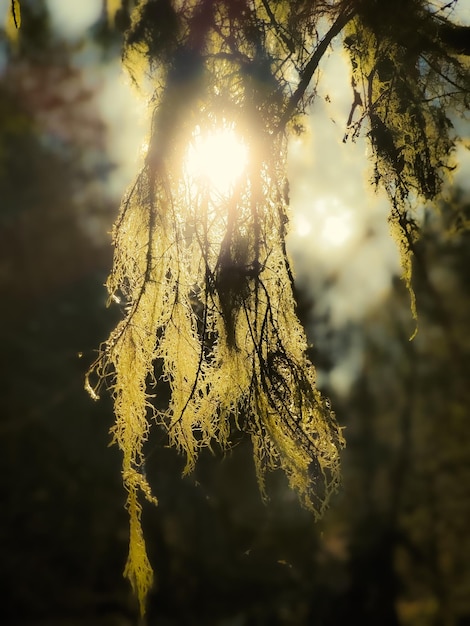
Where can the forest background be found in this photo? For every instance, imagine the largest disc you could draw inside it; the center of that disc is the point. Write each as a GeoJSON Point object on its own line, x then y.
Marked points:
{"type": "Point", "coordinates": [393, 547]}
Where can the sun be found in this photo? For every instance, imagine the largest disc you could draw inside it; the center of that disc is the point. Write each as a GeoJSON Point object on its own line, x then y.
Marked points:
{"type": "Point", "coordinates": [217, 158]}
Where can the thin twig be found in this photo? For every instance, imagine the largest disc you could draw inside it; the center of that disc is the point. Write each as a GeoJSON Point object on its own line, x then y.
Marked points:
{"type": "Point", "coordinates": [311, 67]}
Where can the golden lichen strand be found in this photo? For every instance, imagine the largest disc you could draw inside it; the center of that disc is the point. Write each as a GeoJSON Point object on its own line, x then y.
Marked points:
{"type": "Point", "coordinates": [304, 431]}
{"type": "Point", "coordinates": [292, 426]}
{"type": "Point", "coordinates": [127, 359]}
{"type": "Point", "coordinates": [138, 569]}
{"type": "Point", "coordinates": [133, 358]}
{"type": "Point", "coordinates": [404, 236]}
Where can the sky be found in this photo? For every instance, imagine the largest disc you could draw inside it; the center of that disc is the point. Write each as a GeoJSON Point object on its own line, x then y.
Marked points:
{"type": "Point", "coordinates": [339, 232]}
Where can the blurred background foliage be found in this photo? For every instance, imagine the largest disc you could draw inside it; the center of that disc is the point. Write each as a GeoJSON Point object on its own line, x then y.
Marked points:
{"type": "Point", "coordinates": [393, 549]}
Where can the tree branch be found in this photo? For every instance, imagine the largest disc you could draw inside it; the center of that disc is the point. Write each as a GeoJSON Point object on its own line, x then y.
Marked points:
{"type": "Point", "coordinates": [455, 37]}
{"type": "Point", "coordinates": [287, 40]}
{"type": "Point", "coordinates": [312, 65]}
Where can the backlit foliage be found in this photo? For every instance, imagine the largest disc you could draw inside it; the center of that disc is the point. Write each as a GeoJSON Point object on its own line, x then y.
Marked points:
{"type": "Point", "coordinates": [408, 75]}
{"type": "Point", "coordinates": [203, 273]}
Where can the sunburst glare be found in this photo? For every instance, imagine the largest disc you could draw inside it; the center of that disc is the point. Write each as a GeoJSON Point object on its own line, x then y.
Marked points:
{"type": "Point", "coordinates": [217, 158]}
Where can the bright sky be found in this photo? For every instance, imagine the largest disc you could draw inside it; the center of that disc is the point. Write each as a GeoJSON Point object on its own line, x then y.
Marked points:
{"type": "Point", "coordinates": [72, 19]}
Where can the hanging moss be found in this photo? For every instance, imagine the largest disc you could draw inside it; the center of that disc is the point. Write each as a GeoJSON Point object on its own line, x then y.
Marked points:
{"type": "Point", "coordinates": [407, 80]}
{"type": "Point", "coordinates": [204, 274]}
